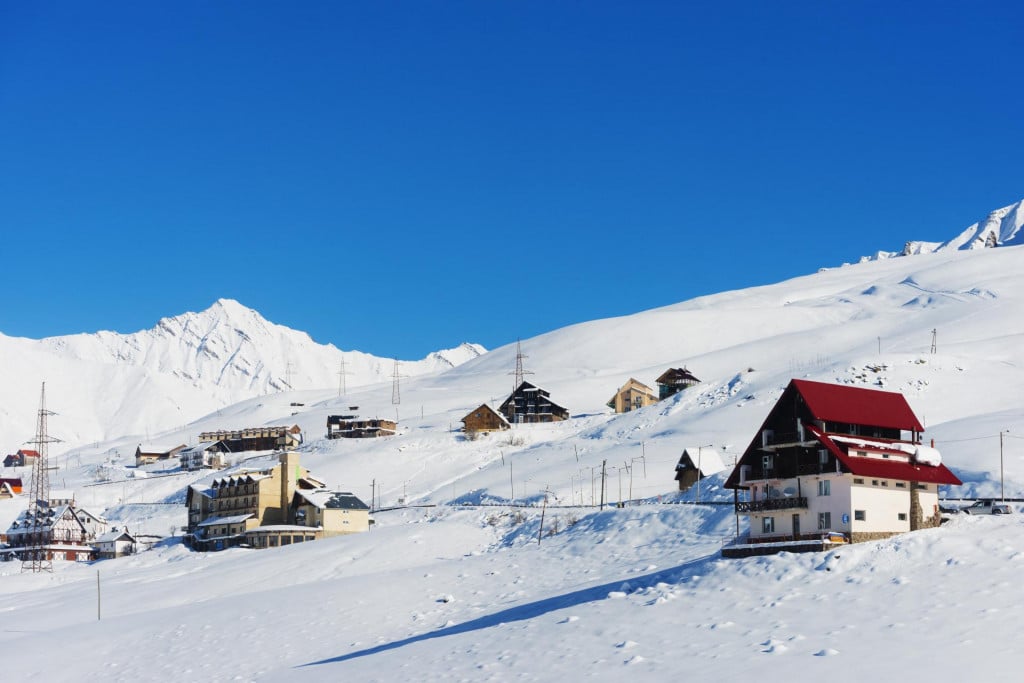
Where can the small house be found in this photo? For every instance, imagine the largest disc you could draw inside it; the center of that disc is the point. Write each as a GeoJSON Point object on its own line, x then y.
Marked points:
{"type": "Point", "coordinates": [206, 454]}
{"type": "Point", "coordinates": [114, 544]}
{"type": "Point", "coordinates": [695, 463]}
{"type": "Point", "coordinates": [350, 427]}
{"type": "Point", "coordinates": [147, 454]}
{"type": "Point", "coordinates": [835, 462]}
{"type": "Point", "coordinates": [632, 395]}
{"type": "Point", "coordinates": [23, 458]}
{"type": "Point", "coordinates": [674, 380]}
{"type": "Point", "coordinates": [279, 438]}
{"type": "Point", "coordinates": [332, 512]}
{"type": "Point", "coordinates": [11, 484]}
{"type": "Point", "coordinates": [529, 403]}
{"type": "Point", "coordinates": [483, 420]}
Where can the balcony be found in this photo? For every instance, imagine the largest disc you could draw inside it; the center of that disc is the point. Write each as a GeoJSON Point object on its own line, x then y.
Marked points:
{"type": "Point", "coordinates": [772, 504]}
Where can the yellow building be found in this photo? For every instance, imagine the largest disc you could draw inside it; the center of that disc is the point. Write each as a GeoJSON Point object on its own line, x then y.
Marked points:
{"type": "Point", "coordinates": [261, 508]}
{"type": "Point", "coordinates": [632, 396]}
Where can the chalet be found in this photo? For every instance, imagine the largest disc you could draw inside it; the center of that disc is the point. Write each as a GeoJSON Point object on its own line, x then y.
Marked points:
{"type": "Point", "coordinates": [205, 454]}
{"type": "Point", "coordinates": [695, 463]}
{"type": "Point", "coordinates": [114, 544]}
{"type": "Point", "coordinates": [23, 458]}
{"type": "Point", "coordinates": [351, 427]}
{"type": "Point", "coordinates": [257, 438]}
{"type": "Point", "coordinates": [484, 420]}
{"type": "Point", "coordinates": [52, 532]}
{"type": "Point", "coordinates": [261, 509]}
{"type": "Point", "coordinates": [530, 403]}
{"type": "Point", "coordinates": [674, 380]}
{"type": "Point", "coordinates": [632, 395]}
{"type": "Point", "coordinates": [835, 463]}
{"type": "Point", "coordinates": [147, 454]}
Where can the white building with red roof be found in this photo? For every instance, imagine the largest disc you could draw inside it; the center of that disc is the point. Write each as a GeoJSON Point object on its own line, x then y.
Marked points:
{"type": "Point", "coordinates": [836, 463]}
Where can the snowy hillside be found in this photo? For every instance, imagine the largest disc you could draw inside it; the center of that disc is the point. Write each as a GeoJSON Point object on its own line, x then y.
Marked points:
{"type": "Point", "coordinates": [1001, 228]}
{"type": "Point", "coordinates": [453, 591]}
{"type": "Point", "coordinates": [109, 384]}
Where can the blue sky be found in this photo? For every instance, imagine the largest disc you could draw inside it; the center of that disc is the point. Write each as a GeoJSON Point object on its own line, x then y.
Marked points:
{"type": "Point", "coordinates": [399, 177]}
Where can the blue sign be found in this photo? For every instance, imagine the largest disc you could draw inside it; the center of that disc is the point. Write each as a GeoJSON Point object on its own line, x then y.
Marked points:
{"type": "Point", "coordinates": [846, 518]}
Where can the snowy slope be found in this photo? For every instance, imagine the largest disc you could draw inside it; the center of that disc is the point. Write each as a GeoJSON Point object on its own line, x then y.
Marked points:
{"type": "Point", "coordinates": [467, 593]}
{"type": "Point", "coordinates": [110, 384]}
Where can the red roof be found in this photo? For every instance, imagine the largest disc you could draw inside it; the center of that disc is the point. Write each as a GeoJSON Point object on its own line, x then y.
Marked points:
{"type": "Point", "coordinates": [887, 469]}
{"type": "Point", "coordinates": [857, 405]}
{"type": "Point", "coordinates": [28, 453]}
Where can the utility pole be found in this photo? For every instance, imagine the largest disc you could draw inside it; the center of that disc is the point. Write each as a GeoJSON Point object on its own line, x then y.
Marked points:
{"type": "Point", "coordinates": [373, 493]}
{"type": "Point", "coordinates": [700, 472]}
{"type": "Point", "coordinates": [396, 392]}
{"type": "Point", "coordinates": [935, 340]}
{"type": "Point", "coordinates": [1002, 492]}
{"type": "Point", "coordinates": [604, 473]}
{"type": "Point", "coordinates": [342, 389]}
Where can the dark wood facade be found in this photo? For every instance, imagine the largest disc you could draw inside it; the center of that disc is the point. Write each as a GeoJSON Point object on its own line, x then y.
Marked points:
{"type": "Point", "coordinates": [257, 438]}
{"type": "Point", "coordinates": [529, 403]}
{"type": "Point", "coordinates": [674, 380]}
{"type": "Point", "coordinates": [349, 427]}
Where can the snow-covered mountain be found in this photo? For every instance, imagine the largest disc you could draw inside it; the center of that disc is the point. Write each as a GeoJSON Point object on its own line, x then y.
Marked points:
{"type": "Point", "coordinates": [110, 384]}
{"type": "Point", "coordinates": [1001, 228]}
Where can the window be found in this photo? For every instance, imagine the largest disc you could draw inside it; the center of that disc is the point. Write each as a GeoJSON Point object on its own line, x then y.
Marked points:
{"type": "Point", "coordinates": [768, 525]}
{"type": "Point", "coordinates": [860, 515]}
{"type": "Point", "coordinates": [824, 487]}
{"type": "Point", "coordinates": [273, 541]}
{"type": "Point", "coordinates": [874, 482]}
{"type": "Point", "coordinates": [858, 481]}
{"type": "Point", "coordinates": [902, 516]}
{"type": "Point", "coordinates": [885, 483]}
{"type": "Point", "coordinates": [823, 456]}
{"type": "Point", "coordinates": [901, 484]}
{"type": "Point", "coordinates": [824, 521]}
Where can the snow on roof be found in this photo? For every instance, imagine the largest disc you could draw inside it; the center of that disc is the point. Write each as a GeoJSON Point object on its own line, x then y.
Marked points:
{"type": "Point", "coordinates": [887, 469]}
{"type": "Point", "coordinates": [234, 519]}
{"type": "Point", "coordinates": [112, 536]}
{"type": "Point", "coordinates": [334, 500]}
{"type": "Point", "coordinates": [707, 459]}
{"type": "Point", "coordinates": [283, 527]}
{"type": "Point", "coordinates": [158, 448]}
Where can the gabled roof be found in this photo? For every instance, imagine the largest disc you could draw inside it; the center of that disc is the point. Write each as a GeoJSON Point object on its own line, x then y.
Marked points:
{"type": "Point", "coordinates": [112, 536]}
{"type": "Point", "coordinates": [489, 409]}
{"type": "Point", "coordinates": [234, 519]}
{"type": "Point", "coordinates": [26, 452]}
{"type": "Point", "coordinates": [332, 500]}
{"type": "Point", "coordinates": [634, 384]}
{"type": "Point", "coordinates": [857, 405]}
{"type": "Point", "coordinates": [707, 459]}
{"type": "Point", "coordinates": [887, 469]}
{"type": "Point", "coordinates": [674, 375]}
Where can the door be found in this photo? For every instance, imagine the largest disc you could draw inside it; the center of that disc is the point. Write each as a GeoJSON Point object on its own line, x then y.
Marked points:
{"type": "Point", "coordinates": [796, 526]}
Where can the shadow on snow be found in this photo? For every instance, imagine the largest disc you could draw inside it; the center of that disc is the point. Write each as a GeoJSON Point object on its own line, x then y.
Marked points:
{"type": "Point", "coordinates": [532, 609]}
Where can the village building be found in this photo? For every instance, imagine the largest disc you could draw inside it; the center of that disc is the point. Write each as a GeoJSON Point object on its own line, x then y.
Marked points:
{"type": "Point", "coordinates": [257, 438]}
{"type": "Point", "coordinates": [529, 403]}
{"type": "Point", "coordinates": [351, 427]}
{"type": "Point", "coordinates": [23, 458]}
{"type": "Point", "coordinates": [10, 487]}
{"type": "Point", "coordinates": [206, 454]}
{"type": "Point", "coordinates": [632, 395]}
{"type": "Point", "coordinates": [696, 463]}
{"type": "Point", "coordinates": [835, 463]}
{"type": "Point", "coordinates": [115, 543]}
{"type": "Point", "coordinates": [336, 512]}
{"type": "Point", "coordinates": [484, 420]}
{"type": "Point", "coordinates": [147, 454]}
{"type": "Point", "coordinates": [674, 380]}
{"type": "Point", "coordinates": [262, 508]}
{"type": "Point", "coordinates": [53, 532]}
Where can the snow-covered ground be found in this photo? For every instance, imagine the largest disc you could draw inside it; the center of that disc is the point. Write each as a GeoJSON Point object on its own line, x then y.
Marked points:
{"type": "Point", "coordinates": [458, 591]}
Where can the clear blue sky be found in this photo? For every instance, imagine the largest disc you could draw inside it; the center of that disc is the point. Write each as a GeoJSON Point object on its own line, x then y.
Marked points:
{"type": "Point", "coordinates": [401, 177]}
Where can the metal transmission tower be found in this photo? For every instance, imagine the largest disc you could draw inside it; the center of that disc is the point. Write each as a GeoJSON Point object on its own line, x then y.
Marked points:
{"type": "Point", "coordinates": [342, 389]}
{"type": "Point", "coordinates": [34, 557]}
{"type": "Point", "coordinates": [396, 393]}
{"type": "Point", "coordinates": [935, 340]}
{"type": "Point", "coordinates": [519, 372]}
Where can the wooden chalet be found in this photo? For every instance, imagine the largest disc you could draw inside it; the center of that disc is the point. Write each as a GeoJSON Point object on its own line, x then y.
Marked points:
{"type": "Point", "coordinates": [483, 420]}
{"type": "Point", "coordinates": [23, 458]}
{"type": "Point", "coordinates": [835, 463]}
{"type": "Point", "coordinates": [696, 463]}
{"type": "Point", "coordinates": [529, 403]}
{"type": "Point", "coordinates": [256, 438]}
{"type": "Point", "coordinates": [632, 395]}
{"type": "Point", "coordinates": [351, 427]}
{"type": "Point", "coordinates": [674, 380]}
